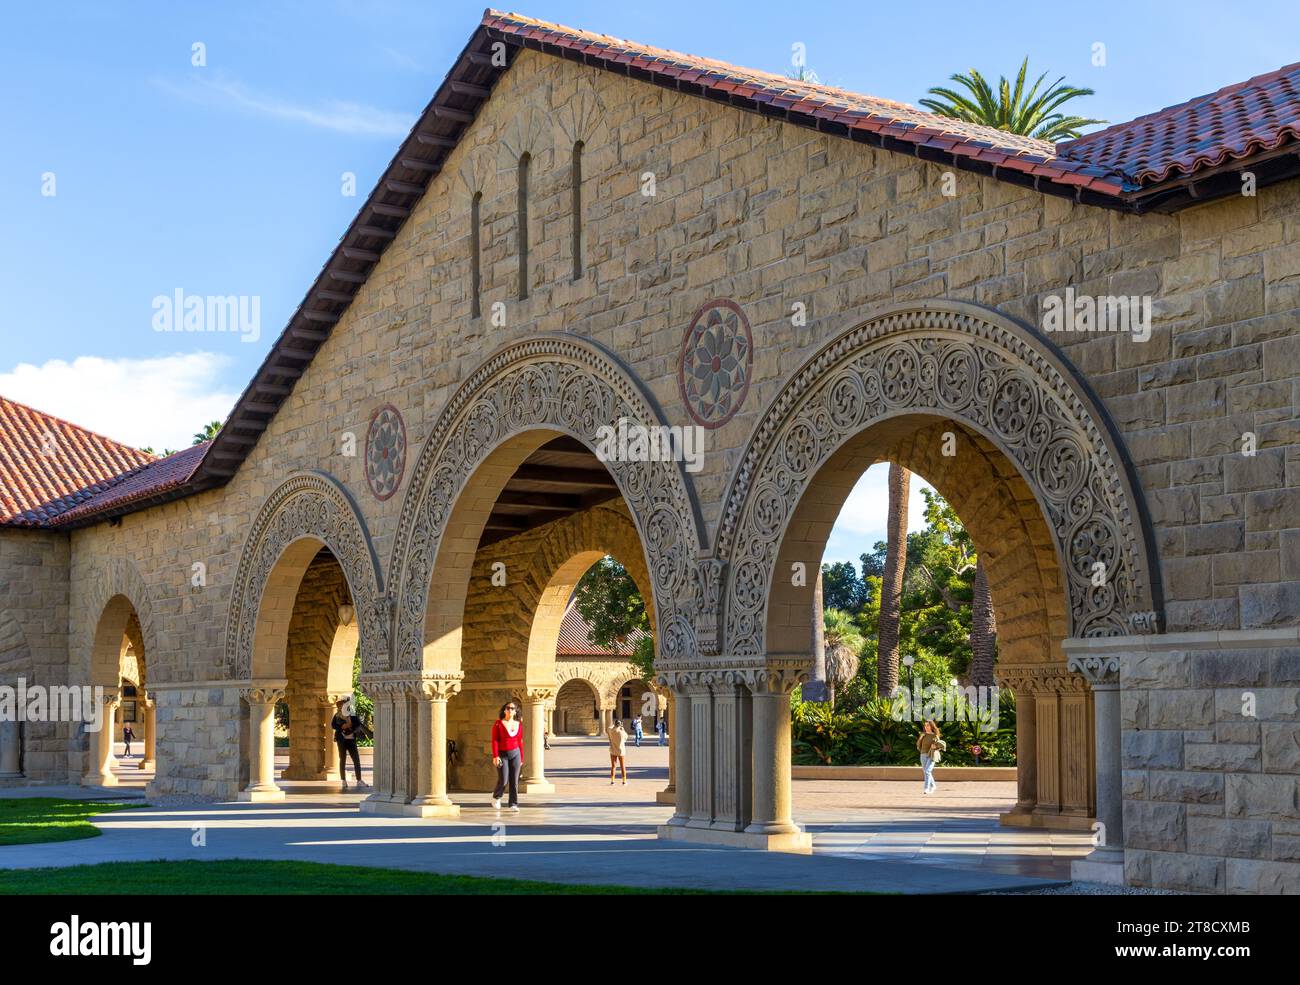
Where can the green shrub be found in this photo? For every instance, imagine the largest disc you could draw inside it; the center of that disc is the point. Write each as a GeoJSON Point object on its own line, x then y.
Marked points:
{"type": "Point", "coordinates": [871, 734]}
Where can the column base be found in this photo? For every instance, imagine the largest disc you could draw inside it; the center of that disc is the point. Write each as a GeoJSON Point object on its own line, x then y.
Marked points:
{"type": "Point", "coordinates": [1104, 865]}
{"type": "Point", "coordinates": [429, 809]}
{"type": "Point", "coordinates": [146, 764]}
{"type": "Point", "coordinates": [797, 842]}
{"type": "Point", "coordinates": [260, 796]}
{"type": "Point", "coordinates": [390, 808]}
{"type": "Point", "coordinates": [536, 786]}
{"type": "Point", "coordinates": [99, 780]}
{"type": "Point", "coordinates": [1048, 822]}
{"type": "Point", "coordinates": [667, 796]}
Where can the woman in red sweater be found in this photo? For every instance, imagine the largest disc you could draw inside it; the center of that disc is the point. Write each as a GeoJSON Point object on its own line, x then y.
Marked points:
{"type": "Point", "coordinates": [507, 753]}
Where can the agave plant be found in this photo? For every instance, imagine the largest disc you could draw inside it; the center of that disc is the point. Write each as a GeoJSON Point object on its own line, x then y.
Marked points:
{"type": "Point", "coordinates": [1030, 113]}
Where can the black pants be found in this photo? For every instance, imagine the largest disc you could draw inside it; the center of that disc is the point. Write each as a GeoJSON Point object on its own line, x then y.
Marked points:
{"type": "Point", "coordinates": [346, 746]}
{"type": "Point", "coordinates": [508, 773]}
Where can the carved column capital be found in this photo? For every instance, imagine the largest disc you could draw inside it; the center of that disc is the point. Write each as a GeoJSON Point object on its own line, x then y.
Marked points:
{"type": "Point", "coordinates": [1100, 670]}
{"type": "Point", "coordinates": [261, 695]}
{"type": "Point", "coordinates": [540, 695]}
{"type": "Point", "coordinates": [438, 688]}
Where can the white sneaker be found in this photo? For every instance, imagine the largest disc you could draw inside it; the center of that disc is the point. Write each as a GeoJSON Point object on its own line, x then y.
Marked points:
{"type": "Point", "coordinates": [514, 808]}
{"type": "Point", "coordinates": [624, 783]}
{"type": "Point", "coordinates": [496, 802]}
{"type": "Point", "coordinates": [359, 785]}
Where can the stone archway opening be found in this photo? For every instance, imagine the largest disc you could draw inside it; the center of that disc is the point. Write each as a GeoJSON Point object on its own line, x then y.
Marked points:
{"type": "Point", "coordinates": [1054, 741]}
{"type": "Point", "coordinates": [306, 642]}
{"type": "Point", "coordinates": [577, 709]}
{"type": "Point", "coordinates": [119, 666]}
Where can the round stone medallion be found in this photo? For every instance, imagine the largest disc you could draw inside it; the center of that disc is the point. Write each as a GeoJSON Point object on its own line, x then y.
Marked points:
{"type": "Point", "coordinates": [716, 363]}
{"type": "Point", "coordinates": [385, 452]}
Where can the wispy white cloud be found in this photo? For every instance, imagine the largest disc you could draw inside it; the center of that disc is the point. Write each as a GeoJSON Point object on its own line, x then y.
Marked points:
{"type": "Point", "coordinates": [354, 119]}
{"type": "Point", "coordinates": [863, 518]}
{"type": "Point", "coordinates": [158, 402]}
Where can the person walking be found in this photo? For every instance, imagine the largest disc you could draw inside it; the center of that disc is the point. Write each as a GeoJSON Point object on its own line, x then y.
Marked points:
{"type": "Point", "coordinates": [347, 729]}
{"type": "Point", "coordinates": [507, 753]}
{"type": "Point", "coordinates": [929, 745]}
{"type": "Point", "coordinates": [617, 750]}
{"type": "Point", "coordinates": [127, 736]}
{"type": "Point", "coordinates": [661, 726]}
{"type": "Point", "coordinates": [637, 730]}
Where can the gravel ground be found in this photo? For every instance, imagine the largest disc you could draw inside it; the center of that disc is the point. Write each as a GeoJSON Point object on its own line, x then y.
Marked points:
{"type": "Point", "coordinates": [1089, 889]}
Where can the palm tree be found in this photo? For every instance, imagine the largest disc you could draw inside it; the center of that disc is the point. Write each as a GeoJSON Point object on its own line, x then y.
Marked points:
{"type": "Point", "coordinates": [983, 629]}
{"type": "Point", "coordinates": [208, 433]}
{"type": "Point", "coordinates": [843, 644]}
{"type": "Point", "coordinates": [891, 584]}
{"type": "Point", "coordinates": [1031, 114]}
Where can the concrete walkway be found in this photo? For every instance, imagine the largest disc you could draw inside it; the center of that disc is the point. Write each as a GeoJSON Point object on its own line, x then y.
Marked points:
{"type": "Point", "coordinates": [592, 832]}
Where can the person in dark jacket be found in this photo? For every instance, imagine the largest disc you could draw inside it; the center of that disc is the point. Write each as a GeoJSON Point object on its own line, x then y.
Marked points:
{"type": "Point", "coordinates": [347, 727]}
{"type": "Point", "coordinates": [128, 735]}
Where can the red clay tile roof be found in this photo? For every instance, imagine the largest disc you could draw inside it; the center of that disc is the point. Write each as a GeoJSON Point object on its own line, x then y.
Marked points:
{"type": "Point", "coordinates": [49, 466]}
{"type": "Point", "coordinates": [1236, 122]}
{"type": "Point", "coordinates": [850, 110]}
{"type": "Point", "coordinates": [156, 478]}
{"type": "Point", "coordinates": [575, 639]}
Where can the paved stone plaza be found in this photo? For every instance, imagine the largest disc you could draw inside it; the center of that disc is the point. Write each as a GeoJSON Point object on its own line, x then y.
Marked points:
{"type": "Point", "coordinates": [590, 831]}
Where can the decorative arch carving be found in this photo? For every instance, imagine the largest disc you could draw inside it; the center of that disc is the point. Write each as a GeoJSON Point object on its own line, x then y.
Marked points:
{"type": "Point", "coordinates": [309, 504]}
{"type": "Point", "coordinates": [107, 580]}
{"type": "Point", "coordinates": [569, 385]}
{"type": "Point", "coordinates": [1003, 380]}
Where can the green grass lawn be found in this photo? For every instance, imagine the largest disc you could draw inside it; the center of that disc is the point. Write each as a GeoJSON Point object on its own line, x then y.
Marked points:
{"type": "Point", "coordinates": [275, 878]}
{"type": "Point", "coordinates": [28, 820]}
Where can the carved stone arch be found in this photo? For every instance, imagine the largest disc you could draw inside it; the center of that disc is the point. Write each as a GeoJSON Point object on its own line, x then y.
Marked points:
{"type": "Point", "coordinates": [579, 672]}
{"type": "Point", "coordinates": [996, 377]}
{"type": "Point", "coordinates": [477, 171]}
{"type": "Point", "coordinates": [307, 506]}
{"type": "Point", "coordinates": [547, 384]}
{"type": "Point", "coordinates": [111, 579]}
{"type": "Point", "coordinates": [527, 132]}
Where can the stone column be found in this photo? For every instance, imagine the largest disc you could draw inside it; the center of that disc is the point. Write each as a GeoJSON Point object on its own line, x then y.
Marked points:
{"type": "Point", "coordinates": [1106, 862]}
{"type": "Point", "coordinates": [1026, 753]}
{"type": "Point", "coordinates": [680, 752]}
{"type": "Point", "coordinates": [772, 825]}
{"type": "Point", "coordinates": [261, 748]}
{"type": "Point", "coordinates": [10, 750]}
{"type": "Point", "coordinates": [669, 794]}
{"type": "Point", "coordinates": [327, 750]}
{"type": "Point", "coordinates": [534, 773]}
{"type": "Point", "coordinates": [732, 742]}
{"type": "Point", "coordinates": [149, 759]}
{"type": "Point", "coordinates": [99, 770]}
{"type": "Point", "coordinates": [431, 696]}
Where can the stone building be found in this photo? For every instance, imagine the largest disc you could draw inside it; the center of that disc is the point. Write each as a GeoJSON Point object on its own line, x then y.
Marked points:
{"type": "Point", "coordinates": [582, 235]}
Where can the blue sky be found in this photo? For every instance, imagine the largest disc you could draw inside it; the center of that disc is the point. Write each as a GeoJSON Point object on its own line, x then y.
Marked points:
{"type": "Point", "coordinates": [225, 179]}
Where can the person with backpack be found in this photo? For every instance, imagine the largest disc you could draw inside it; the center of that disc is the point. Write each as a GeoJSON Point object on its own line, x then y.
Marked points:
{"type": "Point", "coordinates": [127, 736]}
{"type": "Point", "coordinates": [661, 726]}
{"type": "Point", "coordinates": [930, 746]}
{"type": "Point", "coordinates": [637, 729]}
{"type": "Point", "coordinates": [347, 729]}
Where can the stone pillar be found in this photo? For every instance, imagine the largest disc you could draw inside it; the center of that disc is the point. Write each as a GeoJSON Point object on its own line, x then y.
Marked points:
{"type": "Point", "coordinates": [431, 696]}
{"type": "Point", "coordinates": [261, 748]}
{"type": "Point", "coordinates": [772, 821]}
{"type": "Point", "coordinates": [669, 794]}
{"type": "Point", "coordinates": [327, 750]}
{"type": "Point", "coordinates": [99, 770]}
{"type": "Point", "coordinates": [1106, 862]}
{"type": "Point", "coordinates": [679, 750]}
{"type": "Point", "coordinates": [149, 759]}
{"type": "Point", "coordinates": [733, 756]}
{"type": "Point", "coordinates": [1026, 753]}
{"type": "Point", "coordinates": [534, 773]}
{"type": "Point", "coordinates": [10, 750]}
{"type": "Point", "coordinates": [381, 693]}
